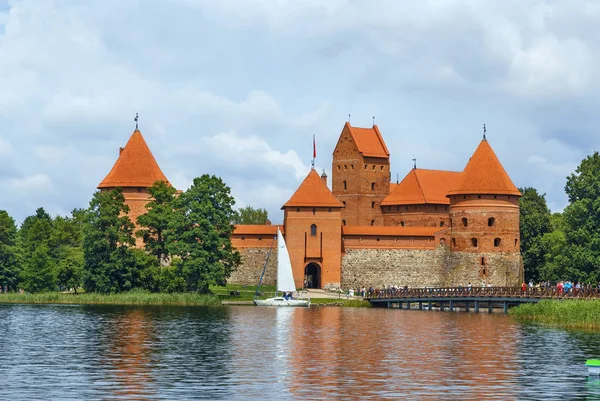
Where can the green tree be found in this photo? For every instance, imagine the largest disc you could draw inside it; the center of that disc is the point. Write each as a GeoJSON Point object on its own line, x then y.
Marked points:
{"type": "Point", "coordinates": [554, 244]}
{"type": "Point", "coordinates": [250, 215]}
{"type": "Point", "coordinates": [69, 270]}
{"type": "Point", "coordinates": [200, 233]}
{"type": "Point", "coordinates": [35, 231]}
{"type": "Point", "coordinates": [582, 222]}
{"type": "Point", "coordinates": [9, 263]}
{"type": "Point", "coordinates": [155, 221]}
{"type": "Point", "coordinates": [38, 271]}
{"type": "Point", "coordinates": [534, 224]}
{"type": "Point", "coordinates": [109, 265]}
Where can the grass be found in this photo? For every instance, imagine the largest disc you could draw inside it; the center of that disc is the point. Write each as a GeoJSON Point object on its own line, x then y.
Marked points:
{"type": "Point", "coordinates": [353, 303]}
{"type": "Point", "coordinates": [246, 292]}
{"type": "Point", "coordinates": [135, 297]}
{"type": "Point", "coordinates": [575, 314]}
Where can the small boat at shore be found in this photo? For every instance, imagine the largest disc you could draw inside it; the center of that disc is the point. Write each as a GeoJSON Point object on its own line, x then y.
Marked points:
{"type": "Point", "coordinates": [593, 366]}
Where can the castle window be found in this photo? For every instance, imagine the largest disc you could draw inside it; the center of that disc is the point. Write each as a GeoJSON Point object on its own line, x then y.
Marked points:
{"type": "Point", "coordinates": [344, 202]}
{"type": "Point", "coordinates": [260, 238]}
{"type": "Point", "coordinates": [297, 209]}
{"type": "Point", "coordinates": [339, 167]}
{"type": "Point", "coordinates": [313, 230]}
{"type": "Point", "coordinates": [491, 222]}
{"type": "Point", "coordinates": [243, 238]}
{"type": "Point", "coordinates": [474, 242]}
{"type": "Point", "coordinates": [365, 166]}
{"type": "Point", "coordinates": [454, 242]}
{"type": "Point", "coordinates": [372, 205]}
{"type": "Point", "coordinates": [329, 210]}
{"type": "Point", "coordinates": [372, 222]}
{"type": "Point", "coordinates": [381, 167]}
{"type": "Point", "coordinates": [495, 196]}
{"type": "Point", "coordinates": [464, 197]}
{"type": "Point", "coordinates": [345, 185]}
{"type": "Point", "coordinates": [352, 166]}
{"type": "Point", "coordinates": [314, 211]}
{"type": "Point", "coordinates": [483, 263]}
{"type": "Point", "coordinates": [465, 222]}
{"type": "Point", "coordinates": [344, 222]}
{"type": "Point", "coordinates": [372, 186]}
{"type": "Point", "coordinates": [441, 224]}
{"type": "Point", "coordinates": [373, 167]}
{"type": "Point", "coordinates": [516, 242]}
{"type": "Point", "coordinates": [496, 242]}
{"type": "Point", "coordinates": [402, 223]}
{"type": "Point", "coordinates": [478, 196]}
{"type": "Point", "coordinates": [377, 238]}
{"type": "Point", "coordinates": [450, 222]}
{"type": "Point", "coordinates": [345, 167]}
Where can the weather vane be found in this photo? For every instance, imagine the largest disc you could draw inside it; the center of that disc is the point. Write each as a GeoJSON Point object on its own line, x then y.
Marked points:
{"type": "Point", "coordinates": [415, 162]}
{"type": "Point", "coordinates": [484, 131]}
{"type": "Point", "coordinates": [136, 121]}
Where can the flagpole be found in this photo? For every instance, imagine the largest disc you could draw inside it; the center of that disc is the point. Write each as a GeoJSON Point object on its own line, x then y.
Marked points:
{"type": "Point", "coordinates": [314, 153]}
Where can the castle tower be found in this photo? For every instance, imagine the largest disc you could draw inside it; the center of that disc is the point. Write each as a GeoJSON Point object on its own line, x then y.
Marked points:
{"type": "Point", "coordinates": [484, 217]}
{"type": "Point", "coordinates": [361, 174]}
{"type": "Point", "coordinates": [134, 171]}
{"type": "Point", "coordinates": [312, 221]}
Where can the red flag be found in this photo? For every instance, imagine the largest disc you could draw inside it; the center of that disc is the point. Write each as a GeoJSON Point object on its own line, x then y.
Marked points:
{"type": "Point", "coordinates": [314, 148]}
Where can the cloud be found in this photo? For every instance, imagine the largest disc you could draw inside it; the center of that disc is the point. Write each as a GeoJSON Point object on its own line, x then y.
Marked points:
{"type": "Point", "coordinates": [238, 89]}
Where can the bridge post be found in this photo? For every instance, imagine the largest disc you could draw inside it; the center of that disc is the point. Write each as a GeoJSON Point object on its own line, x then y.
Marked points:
{"type": "Point", "coordinates": [428, 305]}
{"type": "Point", "coordinates": [441, 306]}
{"type": "Point", "coordinates": [505, 307]}
{"type": "Point", "coordinates": [476, 306]}
{"type": "Point", "coordinates": [389, 304]}
{"type": "Point", "coordinates": [420, 305]}
{"type": "Point", "coordinates": [466, 306]}
{"type": "Point", "coordinates": [408, 305]}
{"type": "Point", "coordinates": [400, 304]}
{"type": "Point", "coordinates": [490, 306]}
{"type": "Point", "coordinates": [451, 305]}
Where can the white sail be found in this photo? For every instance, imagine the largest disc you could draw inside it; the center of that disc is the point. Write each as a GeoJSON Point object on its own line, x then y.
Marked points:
{"type": "Point", "coordinates": [285, 277]}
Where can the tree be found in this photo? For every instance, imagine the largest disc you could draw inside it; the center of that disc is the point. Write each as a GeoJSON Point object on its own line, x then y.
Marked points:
{"type": "Point", "coordinates": [156, 220]}
{"type": "Point", "coordinates": [9, 264]}
{"type": "Point", "coordinates": [200, 233]}
{"type": "Point", "coordinates": [534, 224]}
{"type": "Point", "coordinates": [554, 244]}
{"type": "Point", "coordinates": [582, 222]}
{"type": "Point", "coordinates": [250, 215]}
{"type": "Point", "coordinates": [38, 271]}
{"type": "Point", "coordinates": [35, 231]}
{"type": "Point", "coordinates": [109, 265]}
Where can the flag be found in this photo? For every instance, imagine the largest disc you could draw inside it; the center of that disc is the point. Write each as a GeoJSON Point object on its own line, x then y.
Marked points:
{"type": "Point", "coordinates": [314, 148]}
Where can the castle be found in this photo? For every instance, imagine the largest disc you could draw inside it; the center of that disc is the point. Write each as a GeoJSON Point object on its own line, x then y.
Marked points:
{"type": "Point", "coordinates": [435, 228]}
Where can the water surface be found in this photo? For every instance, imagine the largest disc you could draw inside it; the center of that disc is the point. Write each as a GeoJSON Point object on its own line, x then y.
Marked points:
{"type": "Point", "coordinates": [116, 352]}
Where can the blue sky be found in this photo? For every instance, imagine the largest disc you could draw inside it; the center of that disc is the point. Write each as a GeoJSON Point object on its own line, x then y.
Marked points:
{"type": "Point", "coordinates": [237, 88]}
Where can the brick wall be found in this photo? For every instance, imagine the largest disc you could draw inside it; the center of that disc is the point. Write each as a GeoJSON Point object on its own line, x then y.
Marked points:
{"type": "Point", "coordinates": [416, 215]}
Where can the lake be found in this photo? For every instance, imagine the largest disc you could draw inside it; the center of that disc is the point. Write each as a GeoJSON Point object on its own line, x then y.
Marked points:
{"type": "Point", "coordinates": [244, 352]}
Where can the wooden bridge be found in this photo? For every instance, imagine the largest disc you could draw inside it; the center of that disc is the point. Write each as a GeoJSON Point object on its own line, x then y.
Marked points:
{"type": "Point", "coordinates": [477, 298]}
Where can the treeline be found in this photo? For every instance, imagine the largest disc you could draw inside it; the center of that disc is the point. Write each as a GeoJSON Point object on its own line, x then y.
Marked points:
{"type": "Point", "coordinates": [564, 246]}
{"type": "Point", "coordinates": [186, 237]}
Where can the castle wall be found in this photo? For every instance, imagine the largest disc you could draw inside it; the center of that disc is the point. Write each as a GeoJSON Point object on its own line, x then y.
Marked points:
{"type": "Point", "coordinates": [253, 262]}
{"type": "Point", "coordinates": [416, 215]}
{"type": "Point", "coordinates": [499, 269]}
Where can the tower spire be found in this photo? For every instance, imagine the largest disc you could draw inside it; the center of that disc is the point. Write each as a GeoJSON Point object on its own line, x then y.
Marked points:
{"type": "Point", "coordinates": [373, 121]}
{"type": "Point", "coordinates": [136, 121]}
{"type": "Point", "coordinates": [415, 162]}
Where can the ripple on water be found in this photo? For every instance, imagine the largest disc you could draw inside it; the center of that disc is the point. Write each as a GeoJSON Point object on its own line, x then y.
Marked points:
{"type": "Point", "coordinates": [115, 352]}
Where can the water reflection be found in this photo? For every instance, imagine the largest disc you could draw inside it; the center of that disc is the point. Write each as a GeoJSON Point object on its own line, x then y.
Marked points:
{"type": "Point", "coordinates": [75, 352]}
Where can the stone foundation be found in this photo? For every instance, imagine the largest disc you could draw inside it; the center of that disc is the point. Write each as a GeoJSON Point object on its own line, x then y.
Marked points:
{"type": "Point", "coordinates": [253, 262]}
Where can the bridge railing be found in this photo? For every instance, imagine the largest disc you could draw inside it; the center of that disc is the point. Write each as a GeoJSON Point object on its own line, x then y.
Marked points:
{"type": "Point", "coordinates": [499, 292]}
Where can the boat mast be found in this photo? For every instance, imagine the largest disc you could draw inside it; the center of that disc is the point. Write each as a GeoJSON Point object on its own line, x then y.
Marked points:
{"type": "Point", "coordinates": [265, 267]}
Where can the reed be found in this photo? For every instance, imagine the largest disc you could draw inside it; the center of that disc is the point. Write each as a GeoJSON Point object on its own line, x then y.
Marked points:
{"type": "Point", "coordinates": [134, 297]}
{"type": "Point", "coordinates": [577, 314]}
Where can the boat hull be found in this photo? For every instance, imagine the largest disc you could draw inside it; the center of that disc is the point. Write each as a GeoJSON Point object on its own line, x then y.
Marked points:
{"type": "Point", "coordinates": [593, 370]}
{"type": "Point", "coordinates": [279, 301]}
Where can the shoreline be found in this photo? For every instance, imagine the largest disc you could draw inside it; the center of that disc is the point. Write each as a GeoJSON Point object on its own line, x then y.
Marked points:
{"type": "Point", "coordinates": [156, 299]}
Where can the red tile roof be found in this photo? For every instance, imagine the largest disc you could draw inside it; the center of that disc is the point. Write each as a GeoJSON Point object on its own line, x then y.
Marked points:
{"type": "Point", "coordinates": [421, 186]}
{"type": "Point", "coordinates": [485, 175]}
{"type": "Point", "coordinates": [391, 231]}
{"type": "Point", "coordinates": [313, 192]}
{"type": "Point", "coordinates": [393, 186]}
{"type": "Point", "coordinates": [135, 167]}
{"type": "Point", "coordinates": [368, 141]}
{"type": "Point", "coordinates": [264, 229]}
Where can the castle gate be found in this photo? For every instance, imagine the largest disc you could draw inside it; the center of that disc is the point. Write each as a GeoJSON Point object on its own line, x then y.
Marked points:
{"type": "Point", "coordinates": [312, 275]}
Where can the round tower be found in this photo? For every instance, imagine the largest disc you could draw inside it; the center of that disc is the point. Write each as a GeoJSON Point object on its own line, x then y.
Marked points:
{"type": "Point", "coordinates": [484, 218]}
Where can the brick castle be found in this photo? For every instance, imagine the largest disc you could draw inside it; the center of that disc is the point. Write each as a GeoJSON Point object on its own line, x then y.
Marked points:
{"type": "Point", "coordinates": [434, 228]}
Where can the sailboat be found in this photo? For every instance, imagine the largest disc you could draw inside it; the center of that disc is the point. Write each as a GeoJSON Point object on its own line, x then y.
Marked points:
{"type": "Point", "coordinates": [285, 279]}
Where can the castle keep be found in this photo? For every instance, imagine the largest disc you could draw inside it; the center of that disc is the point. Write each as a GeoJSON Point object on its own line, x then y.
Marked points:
{"type": "Point", "coordinates": [434, 228]}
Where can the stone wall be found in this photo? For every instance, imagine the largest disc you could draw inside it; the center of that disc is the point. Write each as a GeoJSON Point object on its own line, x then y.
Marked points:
{"type": "Point", "coordinates": [399, 267]}
{"type": "Point", "coordinates": [428, 268]}
{"type": "Point", "coordinates": [253, 262]}
{"type": "Point", "coordinates": [497, 269]}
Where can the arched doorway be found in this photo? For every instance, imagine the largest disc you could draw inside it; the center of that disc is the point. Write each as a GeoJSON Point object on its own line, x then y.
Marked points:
{"type": "Point", "coordinates": [312, 276]}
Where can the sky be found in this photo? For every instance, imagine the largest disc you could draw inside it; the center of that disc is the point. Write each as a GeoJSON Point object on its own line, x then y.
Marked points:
{"type": "Point", "coordinates": [237, 88]}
